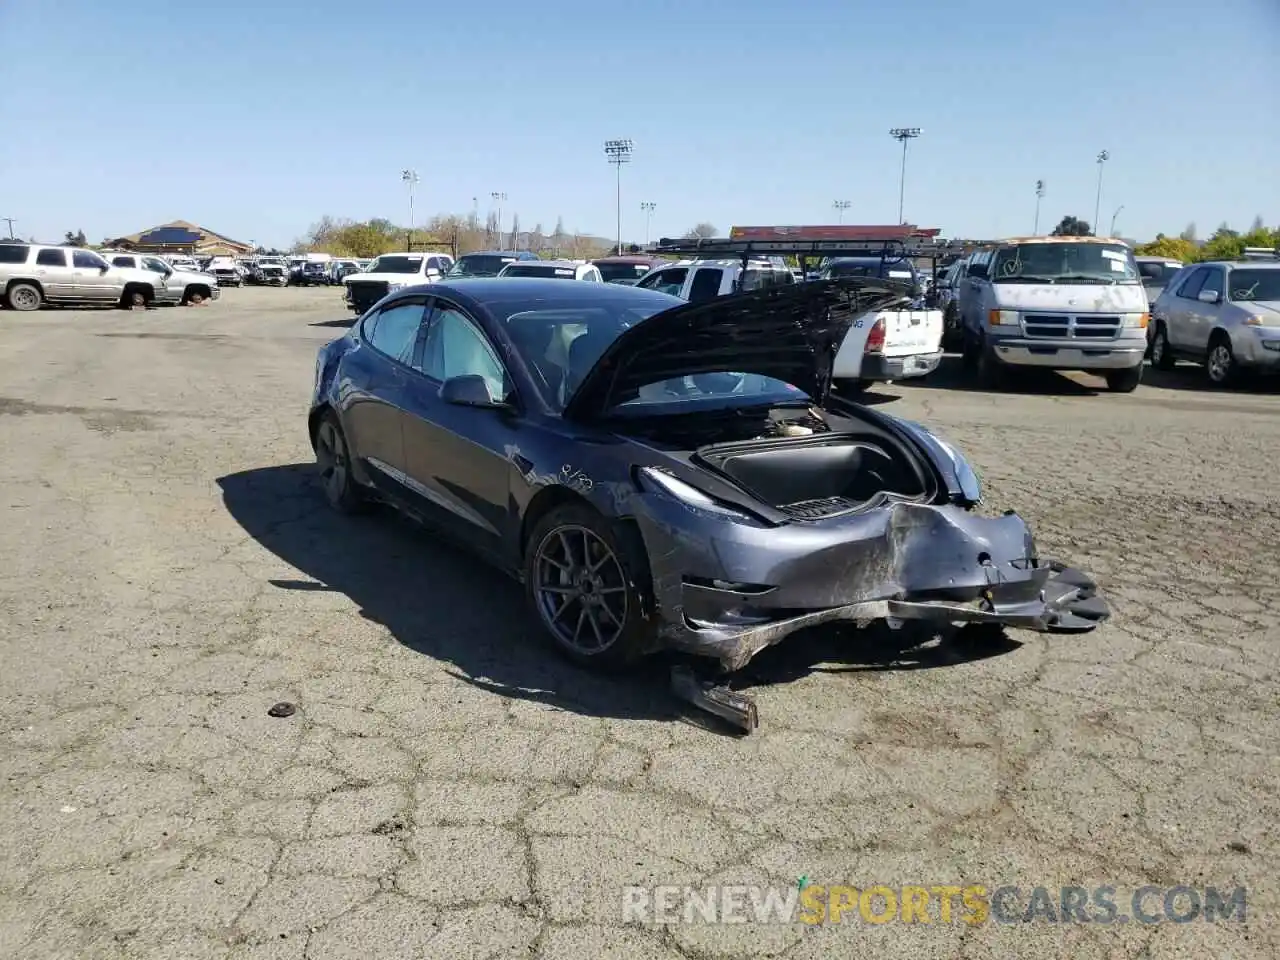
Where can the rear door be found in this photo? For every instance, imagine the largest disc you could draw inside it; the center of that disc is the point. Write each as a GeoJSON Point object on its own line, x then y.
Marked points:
{"type": "Point", "coordinates": [1180, 309]}
{"type": "Point", "coordinates": [94, 279]}
{"type": "Point", "coordinates": [373, 388]}
{"type": "Point", "coordinates": [669, 280]}
{"type": "Point", "coordinates": [54, 272]}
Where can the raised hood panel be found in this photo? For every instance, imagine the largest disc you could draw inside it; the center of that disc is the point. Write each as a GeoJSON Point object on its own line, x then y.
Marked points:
{"type": "Point", "coordinates": [790, 333]}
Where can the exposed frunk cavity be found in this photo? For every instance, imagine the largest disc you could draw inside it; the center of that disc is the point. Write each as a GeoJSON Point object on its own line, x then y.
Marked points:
{"type": "Point", "coordinates": [817, 477]}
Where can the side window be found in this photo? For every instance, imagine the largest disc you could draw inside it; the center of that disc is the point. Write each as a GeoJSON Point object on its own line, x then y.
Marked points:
{"type": "Point", "coordinates": [51, 258]}
{"type": "Point", "coordinates": [433, 263]}
{"type": "Point", "coordinates": [668, 281]}
{"type": "Point", "coordinates": [456, 347]}
{"type": "Point", "coordinates": [13, 253]}
{"type": "Point", "coordinates": [86, 260]}
{"type": "Point", "coordinates": [1212, 280]}
{"type": "Point", "coordinates": [155, 263]}
{"type": "Point", "coordinates": [706, 284]}
{"type": "Point", "coordinates": [393, 330]}
{"type": "Point", "coordinates": [1191, 286]}
{"type": "Point", "coordinates": [122, 261]}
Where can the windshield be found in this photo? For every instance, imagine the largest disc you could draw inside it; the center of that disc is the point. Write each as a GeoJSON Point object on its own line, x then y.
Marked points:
{"type": "Point", "coordinates": [561, 342]}
{"type": "Point", "coordinates": [1254, 284]}
{"type": "Point", "coordinates": [480, 265]}
{"type": "Point", "coordinates": [1157, 274]}
{"type": "Point", "coordinates": [869, 267]}
{"type": "Point", "coordinates": [396, 264]}
{"type": "Point", "coordinates": [622, 272]}
{"type": "Point", "coordinates": [1064, 263]}
{"type": "Point", "coordinates": [539, 270]}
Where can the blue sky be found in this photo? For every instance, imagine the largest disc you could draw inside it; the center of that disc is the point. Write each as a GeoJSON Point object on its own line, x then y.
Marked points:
{"type": "Point", "coordinates": [254, 119]}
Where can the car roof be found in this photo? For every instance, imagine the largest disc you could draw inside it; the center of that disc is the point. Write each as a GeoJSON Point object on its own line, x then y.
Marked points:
{"type": "Point", "coordinates": [1111, 240]}
{"type": "Point", "coordinates": [518, 254]}
{"type": "Point", "coordinates": [1150, 259]}
{"type": "Point", "coordinates": [634, 259]}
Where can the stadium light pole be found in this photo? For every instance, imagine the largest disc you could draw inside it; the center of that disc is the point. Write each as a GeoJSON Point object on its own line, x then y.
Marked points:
{"type": "Point", "coordinates": [10, 221]}
{"type": "Point", "coordinates": [618, 152]}
{"type": "Point", "coordinates": [1035, 230]}
{"type": "Point", "coordinates": [840, 206]}
{"type": "Point", "coordinates": [648, 206]}
{"type": "Point", "coordinates": [1112, 231]}
{"type": "Point", "coordinates": [903, 134]}
{"type": "Point", "coordinates": [497, 197]}
{"type": "Point", "coordinates": [1103, 157]}
{"type": "Point", "coordinates": [410, 177]}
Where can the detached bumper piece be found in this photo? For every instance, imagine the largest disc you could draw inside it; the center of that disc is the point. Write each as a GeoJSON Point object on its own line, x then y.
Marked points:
{"type": "Point", "coordinates": [1051, 598]}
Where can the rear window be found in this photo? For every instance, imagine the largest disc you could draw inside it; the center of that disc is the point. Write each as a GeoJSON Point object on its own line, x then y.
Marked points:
{"type": "Point", "coordinates": [537, 270]}
{"type": "Point", "coordinates": [13, 253]}
{"type": "Point", "coordinates": [622, 272]}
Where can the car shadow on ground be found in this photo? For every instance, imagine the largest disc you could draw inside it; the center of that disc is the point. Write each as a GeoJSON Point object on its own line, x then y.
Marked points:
{"type": "Point", "coordinates": [952, 375]}
{"type": "Point", "coordinates": [1192, 378]}
{"type": "Point", "coordinates": [437, 599]}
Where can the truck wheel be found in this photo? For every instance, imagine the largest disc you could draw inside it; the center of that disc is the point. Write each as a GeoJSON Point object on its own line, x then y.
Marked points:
{"type": "Point", "coordinates": [134, 297]}
{"type": "Point", "coordinates": [25, 297]}
{"type": "Point", "coordinates": [1124, 381]}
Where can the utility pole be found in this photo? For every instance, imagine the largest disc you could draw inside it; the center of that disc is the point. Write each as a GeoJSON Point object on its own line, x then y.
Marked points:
{"type": "Point", "coordinates": [10, 221]}
{"type": "Point", "coordinates": [840, 207]}
{"type": "Point", "coordinates": [618, 152]}
{"type": "Point", "coordinates": [410, 177]}
{"type": "Point", "coordinates": [1103, 157]}
{"type": "Point", "coordinates": [1112, 231]}
{"type": "Point", "coordinates": [1035, 230]}
{"type": "Point", "coordinates": [498, 196]}
{"type": "Point", "coordinates": [648, 206]}
{"type": "Point", "coordinates": [903, 134]}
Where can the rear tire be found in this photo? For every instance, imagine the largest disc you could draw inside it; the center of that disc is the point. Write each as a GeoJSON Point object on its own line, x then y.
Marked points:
{"type": "Point", "coordinates": [134, 297]}
{"type": "Point", "coordinates": [587, 586]}
{"type": "Point", "coordinates": [1124, 381]}
{"type": "Point", "coordinates": [1162, 357]}
{"type": "Point", "coordinates": [25, 297]}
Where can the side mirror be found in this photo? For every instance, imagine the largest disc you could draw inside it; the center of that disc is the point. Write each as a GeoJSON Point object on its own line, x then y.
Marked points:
{"type": "Point", "coordinates": [104, 268]}
{"type": "Point", "coordinates": [469, 390]}
{"type": "Point", "coordinates": [432, 272]}
{"type": "Point", "coordinates": [1209, 296]}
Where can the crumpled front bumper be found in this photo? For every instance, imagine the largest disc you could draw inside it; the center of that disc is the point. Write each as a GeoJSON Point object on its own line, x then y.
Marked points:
{"type": "Point", "coordinates": [727, 590]}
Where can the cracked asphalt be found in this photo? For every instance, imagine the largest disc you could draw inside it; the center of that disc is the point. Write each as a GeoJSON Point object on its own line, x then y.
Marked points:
{"type": "Point", "coordinates": [446, 789]}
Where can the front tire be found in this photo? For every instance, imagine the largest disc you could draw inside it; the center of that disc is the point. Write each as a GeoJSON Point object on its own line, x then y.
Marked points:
{"type": "Point", "coordinates": [134, 297]}
{"type": "Point", "coordinates": [1220, 365]}
{"type": "Point", "coordinates": [333, 459]}
{"type": "Point", "coordinates": [25, 297]}
{"type": "Point", "coordinates": [1124, 381]}
{"type": "Point", "coordinates": [584, 586]}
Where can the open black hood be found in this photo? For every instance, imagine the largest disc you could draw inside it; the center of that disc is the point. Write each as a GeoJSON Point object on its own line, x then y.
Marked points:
{"type": "Point", "coordinates": [790, 333]}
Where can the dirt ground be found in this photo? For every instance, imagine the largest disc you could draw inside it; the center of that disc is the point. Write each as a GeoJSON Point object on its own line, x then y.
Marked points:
{"type": "Point", "coordinates": [446, 789]}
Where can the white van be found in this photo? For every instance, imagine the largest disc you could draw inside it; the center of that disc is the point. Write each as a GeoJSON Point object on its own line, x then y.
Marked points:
{"type": "Point", "coordinates": [1057, 303]}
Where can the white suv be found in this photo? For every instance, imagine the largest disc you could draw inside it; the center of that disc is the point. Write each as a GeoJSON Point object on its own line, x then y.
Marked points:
{"type": "Point", "coordinates": [180, 286]}
{"type": "Point", "coordinates": [33, 274]}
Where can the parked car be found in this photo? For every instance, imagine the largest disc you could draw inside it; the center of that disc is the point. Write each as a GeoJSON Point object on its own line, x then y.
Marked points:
{"type": "Point", "coordinates": [949, 303]}
{"type": "Point", "coordinates": [678, 477]}
{"type": "Point", "coordinates": [269, 272]}
{"type": "Point", "coordinates": [313, 273]}
{"type": "Point", "coordinates": [1224, 314]}
{"type": "Point", "coordinates": [553, 270]}
{"type": "Point", "coordinates": [487, 263]}
{"type": "Point", "coordinates": [179, 287]}
{"type": "Point", "coordinates": [391, 272]}
{"type": "Point", "coordinates": [226, 271]}
{"type": "Point", "coordinates": [701, 280]}
{"type": "Point", "coordinates": [35, 274]}
{"type": "Point", "coordinates": [1156, 273]}
{"type": "Point", "coordinates": [340, 269]}
{"type": "Point", "coordinates": [1055, 303]}
{"type": "Point", "coordinates": [626, 269]}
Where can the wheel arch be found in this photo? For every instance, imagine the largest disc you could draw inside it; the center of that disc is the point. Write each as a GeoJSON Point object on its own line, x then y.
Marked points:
{"type": "Point", "coordinates": [29, 281]}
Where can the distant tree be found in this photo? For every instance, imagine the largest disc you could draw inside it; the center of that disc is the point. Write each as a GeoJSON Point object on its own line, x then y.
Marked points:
{"type": "Point", "coordinates": [1257, 224]}
{"type": "Point", "coordinates": [515, 231]}
{"type": "Point", "coordinates": [1072, 227]}
{"type": "Point", "coordinates": [76, 239]}
{"type": "Point", "coordinates": [1189, 234]}
{"type": "Point", "coordinates": [1176, 248]}
{"type": "Point", "coordinates": [536, 239]}
{"type": "Point", "coordinates": [702, 231]}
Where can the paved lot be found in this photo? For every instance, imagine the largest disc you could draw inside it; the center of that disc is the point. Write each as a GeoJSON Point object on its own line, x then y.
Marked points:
{"type": "Point", "coordinates": [446, 790]}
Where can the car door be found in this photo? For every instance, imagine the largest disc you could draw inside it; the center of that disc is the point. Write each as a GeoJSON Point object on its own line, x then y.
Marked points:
{"type": "Point", "coordinates": [55, 275]}
{"type": "Point", "coordinates": [456, 455]}
{"type": "Point", "coordinates": [1180, 316]}
{"type": "Point", "coordinates": [1206, 315]}
{"type": "Point", "coordinates": [670, 280]}
{"type": "Point", "coordinates": [373, 390]}
{"type": "Point", "coordinates": [93, 279]}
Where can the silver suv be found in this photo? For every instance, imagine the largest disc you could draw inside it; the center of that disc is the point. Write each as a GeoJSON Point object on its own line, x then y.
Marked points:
{"type": "Point", "coordinates": [180, 286]}
{"type": "Point", "coordinates": [33, 274]}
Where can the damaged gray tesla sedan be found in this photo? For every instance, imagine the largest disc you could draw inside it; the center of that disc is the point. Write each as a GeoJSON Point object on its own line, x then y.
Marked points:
{"type": "Point", "coordinates": [667, 475]}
